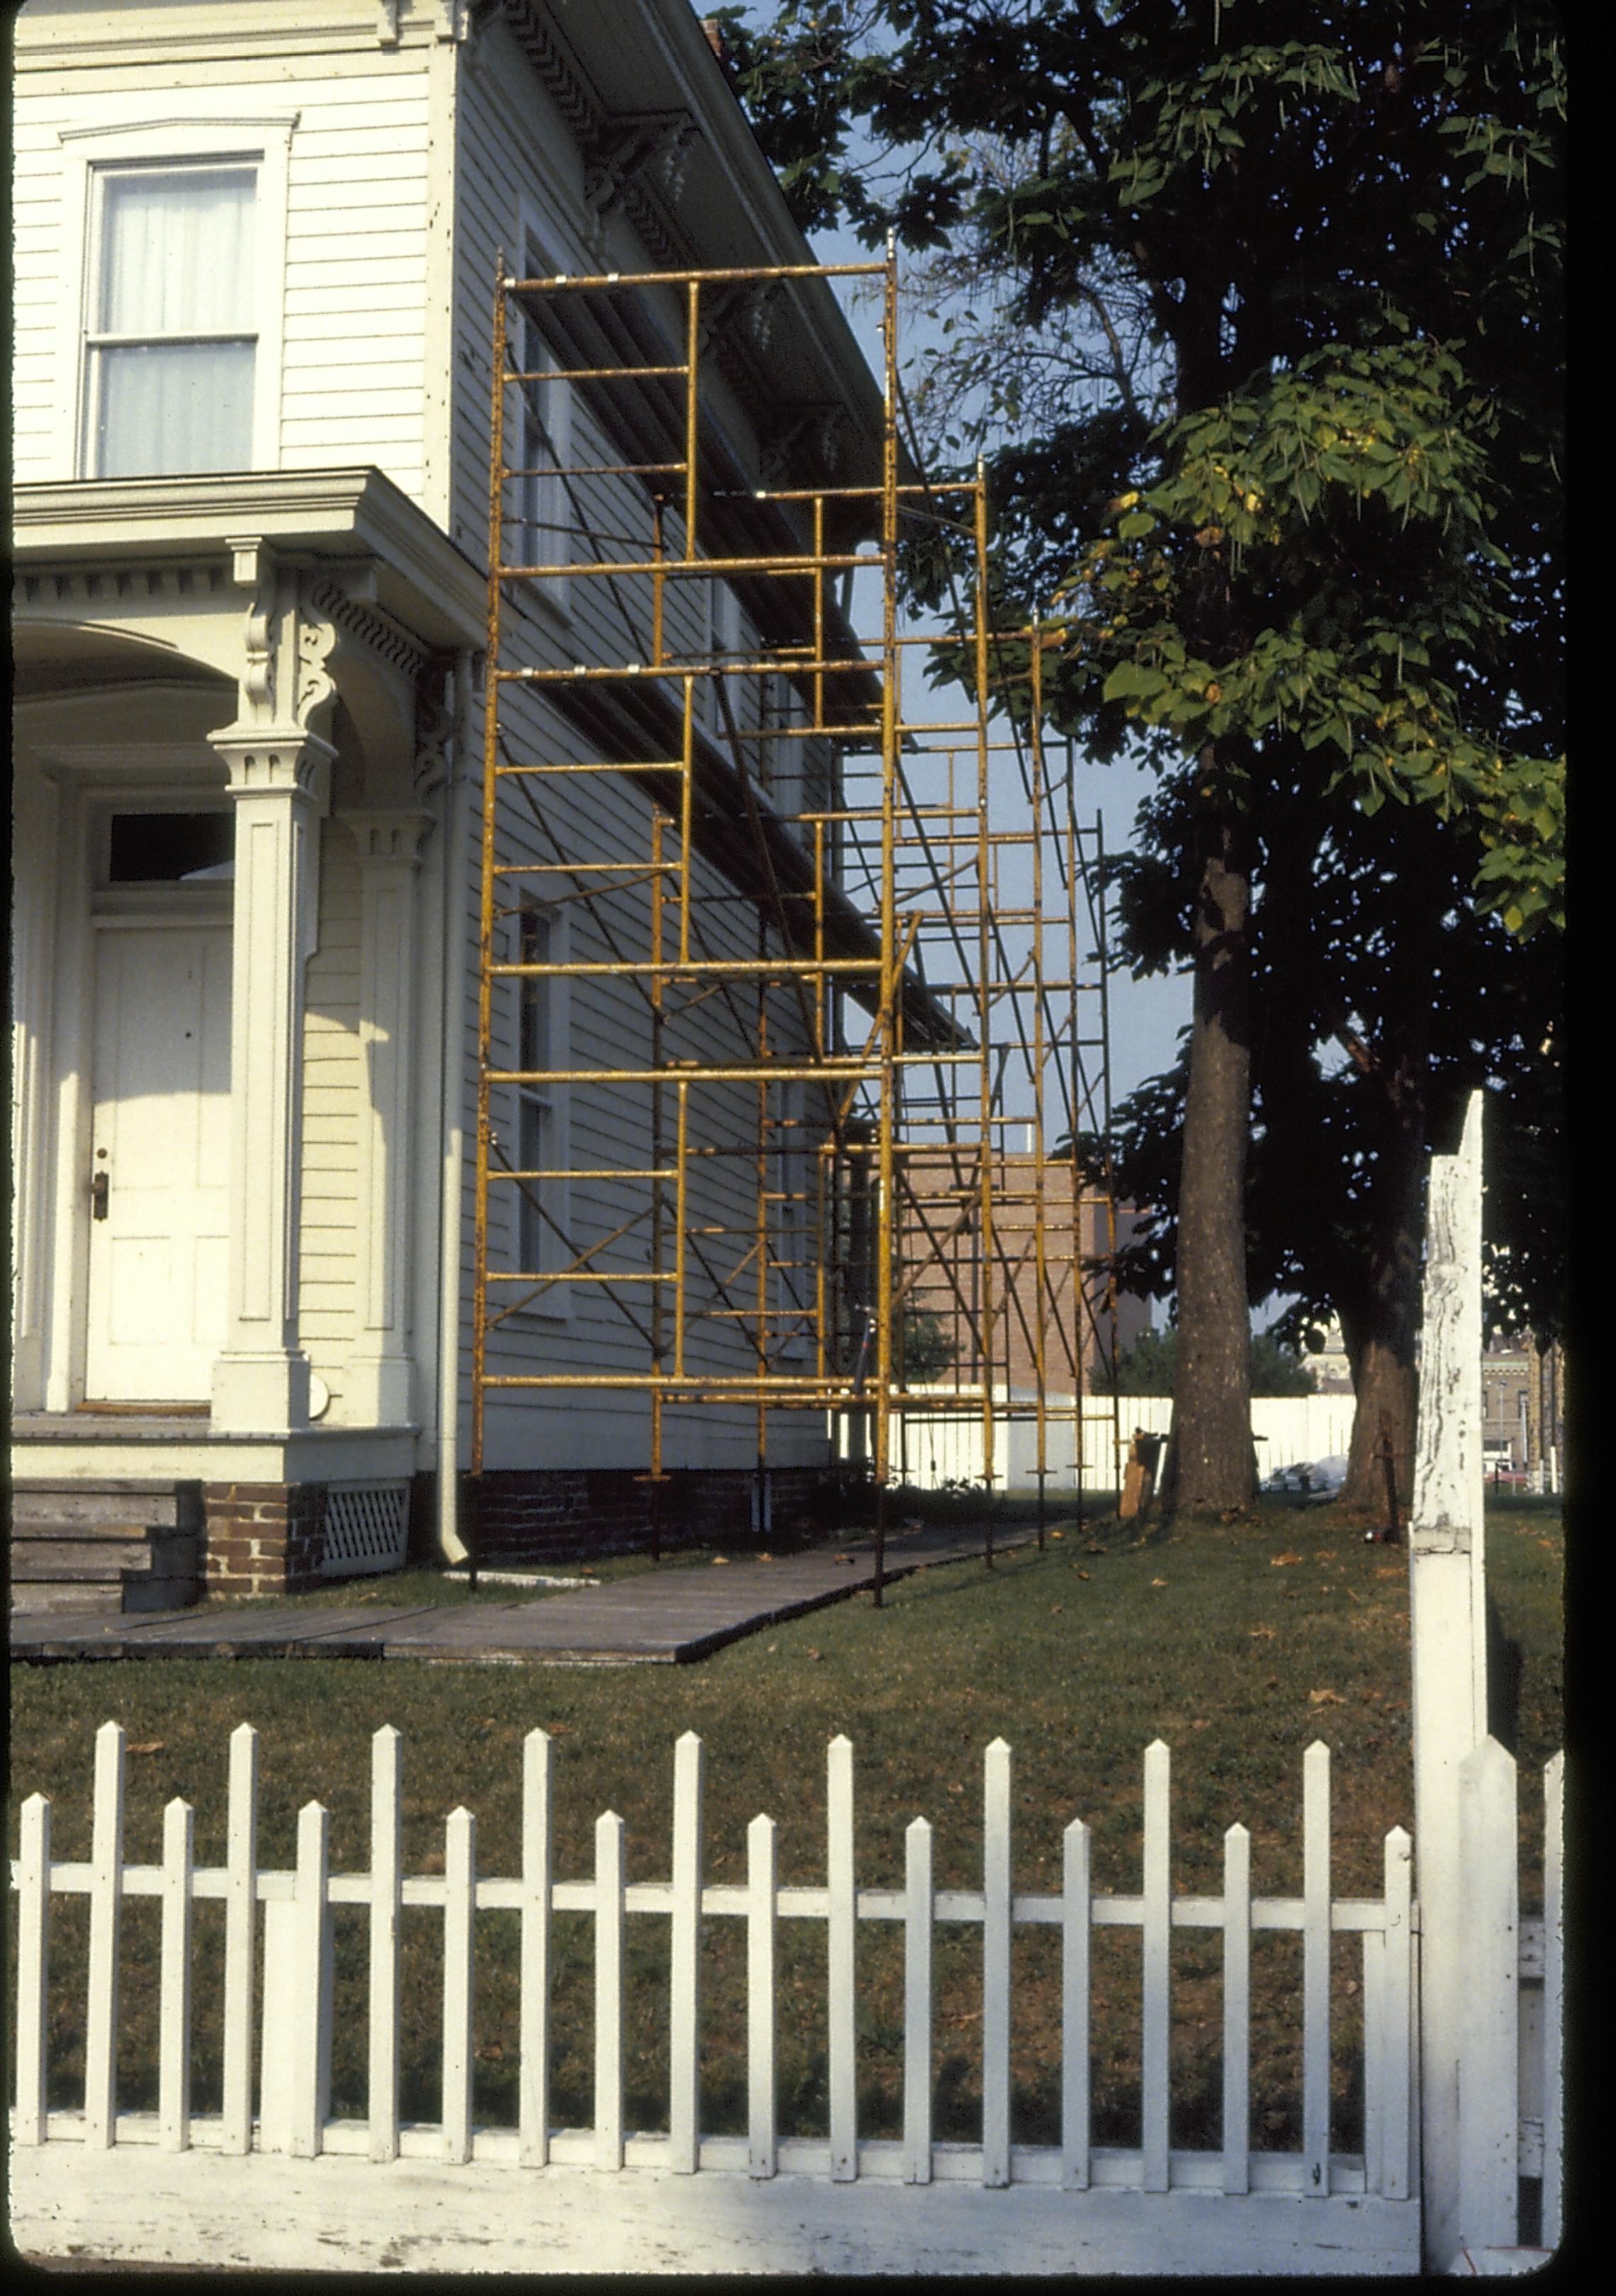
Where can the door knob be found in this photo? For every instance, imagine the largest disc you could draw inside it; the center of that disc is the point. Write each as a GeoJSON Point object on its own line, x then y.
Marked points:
{"type": "Point", "coordinates": [99, 1186]}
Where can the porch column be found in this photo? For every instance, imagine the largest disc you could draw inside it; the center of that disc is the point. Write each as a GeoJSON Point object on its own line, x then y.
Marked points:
{"type": "Point", "coordinates": [278, 779]}
{"type": "Point", "coordinates": [381, 1371]}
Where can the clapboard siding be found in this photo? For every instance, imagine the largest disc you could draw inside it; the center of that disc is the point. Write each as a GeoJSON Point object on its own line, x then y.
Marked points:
{"type": "Point", "coordinates": [334, 1079]}
{"type": "Point", "coordinates": [352, 381]}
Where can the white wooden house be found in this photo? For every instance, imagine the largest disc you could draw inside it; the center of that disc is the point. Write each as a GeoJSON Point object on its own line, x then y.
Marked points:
{"type": "Point", "coordinates": [256, 249]}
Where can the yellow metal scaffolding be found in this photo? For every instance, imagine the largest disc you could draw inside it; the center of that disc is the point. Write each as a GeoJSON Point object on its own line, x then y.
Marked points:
{"type": "Point", "coordinates": [842, 935]}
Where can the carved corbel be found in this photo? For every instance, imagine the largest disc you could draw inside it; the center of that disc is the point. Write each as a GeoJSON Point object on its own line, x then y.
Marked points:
{"type": "Point", "coordinates": [633, 146]}
{"type": "Point", "coordinates": [434, 727]}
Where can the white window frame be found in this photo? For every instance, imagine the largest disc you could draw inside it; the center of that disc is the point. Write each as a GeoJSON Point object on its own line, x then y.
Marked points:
{"type": "Point", "coordinates": [554, 1306]}
{"type": "Point", "coordinates": [261, 144]}
{"type": "Point", "coordinates": [550, 404]}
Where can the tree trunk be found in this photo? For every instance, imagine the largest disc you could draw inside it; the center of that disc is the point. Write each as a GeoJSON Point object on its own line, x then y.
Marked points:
{"type": "Point", "coordinates": [1384, 1377]}
{"type": "Point", "coordinates": [1210, 1465]}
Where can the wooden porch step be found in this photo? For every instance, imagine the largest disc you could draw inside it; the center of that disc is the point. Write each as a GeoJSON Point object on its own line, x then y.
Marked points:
{"type": "Point", "coordinates": [109, 1544]}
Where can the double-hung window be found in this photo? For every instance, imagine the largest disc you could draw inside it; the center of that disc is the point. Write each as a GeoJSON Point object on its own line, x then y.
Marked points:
{"type": "Point", "coordinates": [171, 342]}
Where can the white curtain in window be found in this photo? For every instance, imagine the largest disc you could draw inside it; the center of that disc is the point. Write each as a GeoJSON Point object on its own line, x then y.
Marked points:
{"type": "Point", "coordinates": [176, 261]}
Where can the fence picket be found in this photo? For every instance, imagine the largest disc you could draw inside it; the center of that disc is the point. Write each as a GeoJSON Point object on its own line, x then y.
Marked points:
{"type": "Point", "coordinates": [386, 1906]}
{"type": "Point", "coordinates": [995, 1964]}
{"type": "Point", "coordinates": [1156, 1936]}
{"type": "Point", "coordinates": [533, 2094]}
{"type": "Point", "coordinates": [174, 1996]}
{"type": "Point", "coordinates": [609, 1990]}
{"type": "Point", "coordinates": [1315, 1969]}
{"type": "Point", "coordinates": [106, 1905]}
{"type": "Point", "coordinates": [762, 2147]}
{"type": "Point", "coordinates": [684, 2053]}
{"type": "Point", "coordinates": [33, 1965]}
{"type": "Point", "coordinates": [1554, 1995]}
{"type": "Point", "coordinates": [1236, 2010]}
{"type": "Point", "coordinates": [297, 1976]}
{"type": "Point", "coordinates": [1373, 1964]}
{"type": "Point", "coordinates": [459, 1924]}
{"type": "Point", "coordinates": [1077, 1916]}
{"type": "Point", "coordinates": [919, 1909]}
{"type": "Point", "coordinates": [241, 1927]}
{"type": "Point", "coordinates": [308, 2006]}
{"type": "Point", "coordinates": [841, 1920]}
{"type": "Point", "coordinates": [1397, 2064]}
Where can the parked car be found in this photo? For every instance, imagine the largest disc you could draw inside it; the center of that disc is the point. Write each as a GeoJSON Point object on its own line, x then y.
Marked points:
{"type": "Point", "coordinates": [1309, 1479]}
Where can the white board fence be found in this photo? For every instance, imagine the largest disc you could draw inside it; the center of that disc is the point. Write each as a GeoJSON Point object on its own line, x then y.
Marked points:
{"type": "Point", "coordinates": [276, 2077]}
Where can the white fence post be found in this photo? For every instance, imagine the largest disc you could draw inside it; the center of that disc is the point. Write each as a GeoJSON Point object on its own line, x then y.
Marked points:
{"type": "Point", "coordinates": [1236, 2010]}
{"type": "Point", "coordinates": [840, 1923]}
{"type": "Point", "coordinates": [1554, 1996]}
{"type": "Point", "coordinates": [533, 2075]}
{"type": "Point", "coordinates": [106, 1908]}
{"type": "Point", "coordinates": [174, 1996]}
{"type": "Point", "coordinates": [33, 1965]}
{"type": "Point", "coordinates": [1156, 1958]}
{"type": "Point", "coordinates": [685, 1949]}
{"type": "Point", "coordinates": [459, 1923]}
{"type": "Point", "coordinates": [241, 1931]}
{"type": "Point", "coordinates": [1491, 2060]}
{"type": "Point", "coordinates": [919, 1914]}
{"type": "Point", "coordinates": [308, 2003]}
{"type": "Point", "coordinates": [1077, 1883]}
{"type": "Point", "coordinates": [762, 2158]}
{"type": "Point", "coordinates": [995, 1964]}
{"type": "Point", "coordinates": [1315, 1969]}
{"type": "Point", "coordinates": [609, 1990]}
{"type": "Point", "coordinates": [386, 1904]}
{"type": "Point", "coordinates": [1448, 1653]}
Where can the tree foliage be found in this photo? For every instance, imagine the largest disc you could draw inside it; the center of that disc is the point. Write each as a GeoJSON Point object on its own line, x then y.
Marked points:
{"type": "Point", "coordinates": [1256, 308]}
{"type": "Point", "coordinates": [1150, 1365]}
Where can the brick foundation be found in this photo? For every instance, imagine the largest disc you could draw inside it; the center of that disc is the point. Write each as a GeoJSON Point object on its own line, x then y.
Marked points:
{"type": "Point", "coordinates": [262, 1538]}
{"type": "Point", "coordinates": [560, 1515]}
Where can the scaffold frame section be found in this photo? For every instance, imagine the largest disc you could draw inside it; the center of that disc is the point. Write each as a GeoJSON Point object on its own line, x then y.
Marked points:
{"type": "Point", "coordinates": [823, 972]}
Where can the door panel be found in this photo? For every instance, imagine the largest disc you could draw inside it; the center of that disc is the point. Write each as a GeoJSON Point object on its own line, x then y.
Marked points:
{"type": "Point", "coordinates": [161, 1137]}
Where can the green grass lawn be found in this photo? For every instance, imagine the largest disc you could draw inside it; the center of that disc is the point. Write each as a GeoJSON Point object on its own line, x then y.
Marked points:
{"type": "Point", "coordinates": [1238, 1644]}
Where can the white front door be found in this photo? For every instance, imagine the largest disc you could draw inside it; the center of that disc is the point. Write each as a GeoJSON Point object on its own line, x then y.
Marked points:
{"type": "Point", "coordinates": [160, 1163]}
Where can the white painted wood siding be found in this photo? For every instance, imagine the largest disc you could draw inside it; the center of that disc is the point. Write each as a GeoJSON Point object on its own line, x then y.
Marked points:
{"type": "Point", "coordinates": [351, 385]}
{"type": "Point", "coordinates": [333, 1081]}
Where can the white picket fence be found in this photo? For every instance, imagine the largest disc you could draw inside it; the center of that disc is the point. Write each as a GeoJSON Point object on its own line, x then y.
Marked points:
{"type": "Point", "coordinates": [294, 2041]}
{"type": "Point", "coordinates": [945, 1446]}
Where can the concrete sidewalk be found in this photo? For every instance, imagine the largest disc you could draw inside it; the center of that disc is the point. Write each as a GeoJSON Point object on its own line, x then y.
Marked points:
{"type": "Point", "coordinates": [659, 1617]}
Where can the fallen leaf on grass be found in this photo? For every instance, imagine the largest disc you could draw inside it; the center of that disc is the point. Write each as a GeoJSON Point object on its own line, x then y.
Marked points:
{"type": "Point", "coordinates": [1158, 1582]}
{"type": "Point", "coordinates": [956, 1789]}
{"type": "Point", "coordinates": [1052, 1609]}
{"type": "Point", "coordinates": [1546, 1542]}
{"type": "Point", "coordinates": [812, 1653]}
{"type": "Point", "coordinates": [1082, 1574]}
{"type": "Point", "coordinates": [1389, 1571]}
{"type": "Point", "coordinates": [491, 2049]}
{"type": "Point", "coordinates": [1263, 1634]}
{"type": "Point", "coordinates": [842, 1558]}
{"type": "Point", "coordinates": [769, 1646]}
{"type": "Point", "coordinates": [766, 1558]}
{"type": "Point", "coordinates": [152, 1746]}
{"type": "Point", "coordinates": [1201, 1725]}
{"type": "Point", "coordinates": [1278, 1561]}
{"type": "Point", "coordinates": [1325, 1698]}
{"type": "Point", "coordinates": [1324, 1554]}
{"type": "Point", "coordinates": [718, 1558]}
{"type": "Point", "coordinates": [1096, 1550]}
